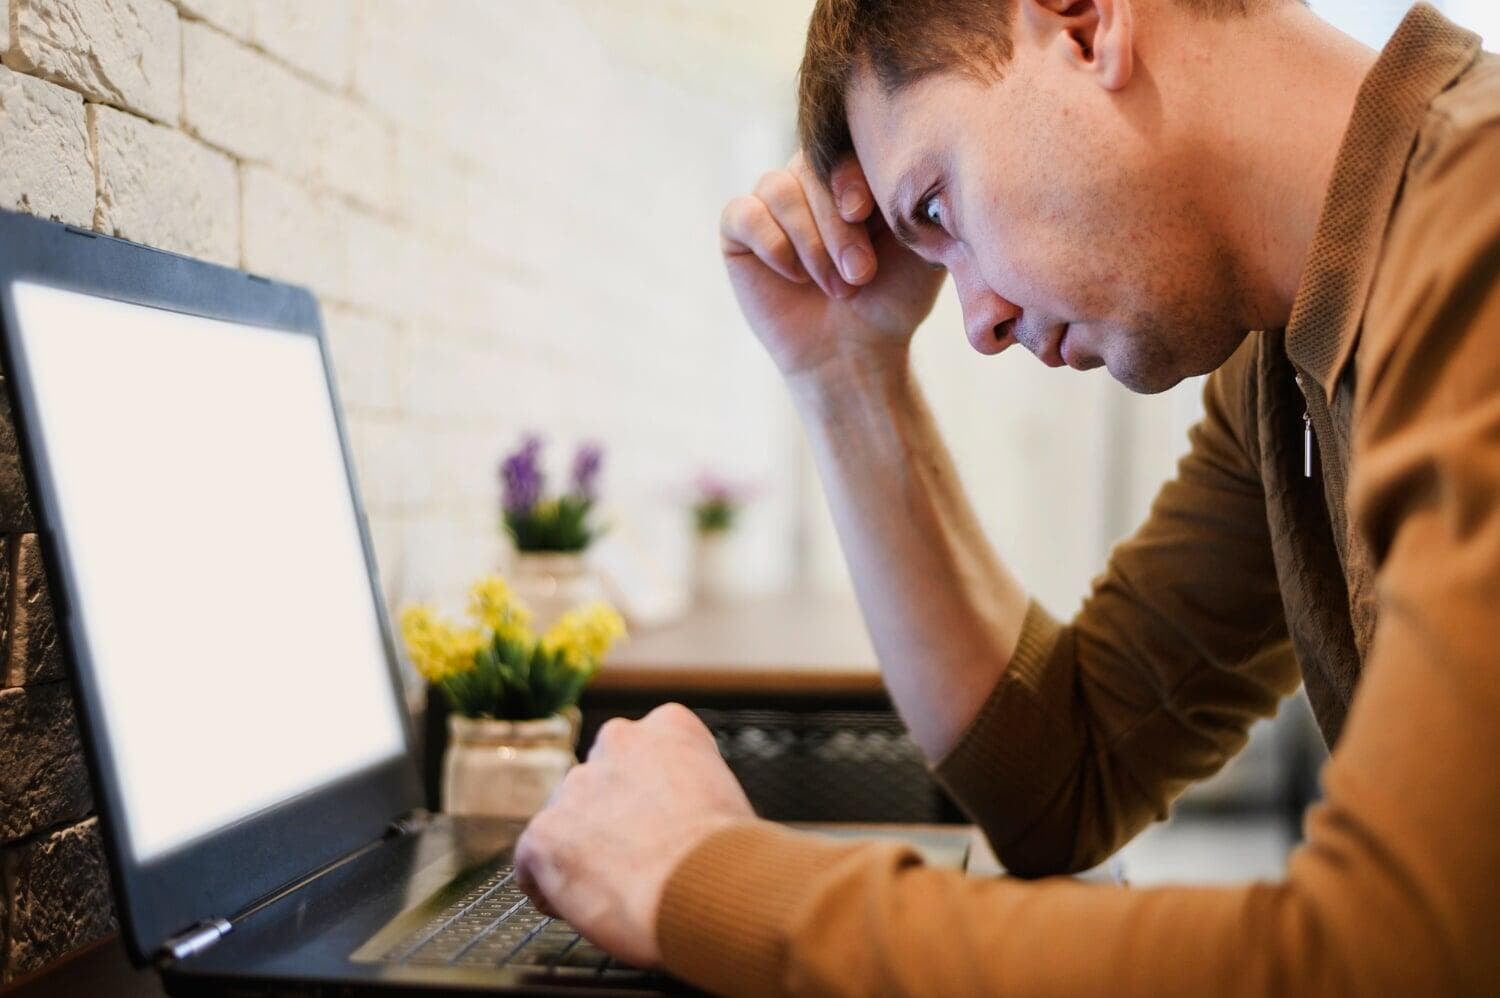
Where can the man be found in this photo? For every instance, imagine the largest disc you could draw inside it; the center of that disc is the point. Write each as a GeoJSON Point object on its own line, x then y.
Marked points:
{"type": "Point", "coordinates": [1137, 184]}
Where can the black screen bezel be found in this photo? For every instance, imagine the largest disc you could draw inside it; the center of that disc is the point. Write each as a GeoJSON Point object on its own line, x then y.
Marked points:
{"type": "Point", "coordinates": [221, 873]}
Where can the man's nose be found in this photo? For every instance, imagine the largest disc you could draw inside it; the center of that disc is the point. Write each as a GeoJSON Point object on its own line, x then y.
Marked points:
{"type": "Point", "coordinates": [989, 319]}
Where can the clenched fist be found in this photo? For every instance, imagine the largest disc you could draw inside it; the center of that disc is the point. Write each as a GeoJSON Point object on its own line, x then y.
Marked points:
{"type": "Point", "coordinates": [599, 855]}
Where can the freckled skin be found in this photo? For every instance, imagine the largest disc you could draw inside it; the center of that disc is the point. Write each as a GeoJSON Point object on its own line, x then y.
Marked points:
{"type": "Point", "coordinates": [1068, 207]}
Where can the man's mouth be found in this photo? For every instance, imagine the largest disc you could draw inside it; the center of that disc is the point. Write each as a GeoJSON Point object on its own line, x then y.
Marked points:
{"type": "Point", "coordinates": [1051, 352]}
{"type": "Point", "coordinates": [1075, 353]}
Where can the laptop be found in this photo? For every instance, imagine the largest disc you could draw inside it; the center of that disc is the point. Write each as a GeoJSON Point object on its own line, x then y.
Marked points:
{"type": "Point", "coordinates": [235, 677]}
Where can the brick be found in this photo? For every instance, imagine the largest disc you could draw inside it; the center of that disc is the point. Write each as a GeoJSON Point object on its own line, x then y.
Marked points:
{"type": "Point", "coordinates": [42, 771]}
{"type": "Point", "coordinates": [353, 152]}
{"type": "Point", "coordinates": [59, 894]}
{"type": "Point", "coordinates": [366, 353]}
{"type": "Point", "coordinates": [15, 498]}
{"type": "Point", "coordinates": [317, 38]}
{"type": "Point", "coordinates": [122, 52]}
{"type": "Point", "coordinates": [248, 104]}
{"type": "Point", "coordinates": [161, 188]}
{"type": "Point", "coordinates": [290, 234]}
{"type": "Point", "coordinates": [432, 189]}
{"type": "Point", "coordinates": [34, 654]}
{"type": "Point", "coordinates": [44, 151]}
{"type": "Point", "coordinates": [402, 68]}
{"type": "Point", "coordinates": [381, 270]}
{"type": "Point", "coordinates": [441, 281]}
{"type": "Point", "coordinates": [232, 16]}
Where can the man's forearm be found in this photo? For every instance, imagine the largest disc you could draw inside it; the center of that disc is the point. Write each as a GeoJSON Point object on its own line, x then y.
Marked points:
{"type": "Point", "coordinates": [944, 614]}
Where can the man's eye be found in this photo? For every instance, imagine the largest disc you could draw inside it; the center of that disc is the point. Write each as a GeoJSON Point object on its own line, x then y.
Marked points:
{"type": "Point", "coordinates": [932, 210]}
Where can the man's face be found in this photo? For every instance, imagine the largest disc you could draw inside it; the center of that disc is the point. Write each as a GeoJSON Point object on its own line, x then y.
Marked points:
{"type": "Point", "coordinates": [1063, 220]}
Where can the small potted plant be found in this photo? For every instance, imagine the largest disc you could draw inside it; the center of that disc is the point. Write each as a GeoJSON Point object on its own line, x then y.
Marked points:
{"type": "Point", "coordinates": [513, 727]}
{"type": "Point", "coordinates": [551, 532]}
{"type": "Point", "coordinates": [716, 508]}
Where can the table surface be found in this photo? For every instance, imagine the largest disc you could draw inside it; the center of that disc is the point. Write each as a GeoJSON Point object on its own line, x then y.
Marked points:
{"type": "Point", "coordinates": [792, 643]}
{"type": "Point", "coordinates": [104, 969]}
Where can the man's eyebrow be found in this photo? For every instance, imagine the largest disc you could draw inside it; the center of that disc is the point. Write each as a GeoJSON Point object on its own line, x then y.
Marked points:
{"type": "Point", "coordinates": [900, 223]}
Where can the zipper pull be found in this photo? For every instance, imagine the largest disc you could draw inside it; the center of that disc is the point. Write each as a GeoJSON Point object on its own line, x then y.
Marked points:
{"type": "Point", "coordinates": [1306, 432]}
{"type": "Point", "coordinates": [1306, 444]}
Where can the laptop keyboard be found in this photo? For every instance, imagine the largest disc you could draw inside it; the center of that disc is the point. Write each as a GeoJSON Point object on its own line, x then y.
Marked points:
{"type": "Point", "coordinates": [495, 924]}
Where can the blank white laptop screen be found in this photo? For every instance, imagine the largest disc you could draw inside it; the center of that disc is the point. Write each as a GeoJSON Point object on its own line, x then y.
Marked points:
{"type": "Point", "coordinates": [214, 542]}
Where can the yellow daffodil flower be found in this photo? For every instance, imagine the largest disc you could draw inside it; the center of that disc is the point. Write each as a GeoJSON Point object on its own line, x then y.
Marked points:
{"type": "Point", "coordinates": [582, 636]}
{"type": "Point", "coordinates": [438, 650]}
{"type": "Point", "coordinates": [494, 606]}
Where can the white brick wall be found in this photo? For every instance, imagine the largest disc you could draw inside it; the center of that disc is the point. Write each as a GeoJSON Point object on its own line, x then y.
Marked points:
{"type": "Point", "coordinates": [291, 234]}
{"type": "Point", "coordinates": [258, 110]}
{"type": "Point", "coordinates": [159, 187]}
{"type": "Point", "coordinates": [506, 213]}
{"type": "Point", "coordinates": [317, 37]}
{"type": "Point", "coordinates": [121, 52]}
{"type": "Point", "coordinates": [44, 151]}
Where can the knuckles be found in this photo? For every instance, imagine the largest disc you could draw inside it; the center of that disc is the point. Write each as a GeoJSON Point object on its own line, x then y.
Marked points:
{"type": "Point", "coordinates": [738, 212]}
{"type": "Point", "coordinates": [610, 732]}
{"type": "Point", "coordinates": [778, 188]}
{"type": "Point", "coordinates": [675, 716]}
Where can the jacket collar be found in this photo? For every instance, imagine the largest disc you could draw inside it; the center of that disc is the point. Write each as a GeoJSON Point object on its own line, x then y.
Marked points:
{"type": "Point", "coordinates": [1425, 55]}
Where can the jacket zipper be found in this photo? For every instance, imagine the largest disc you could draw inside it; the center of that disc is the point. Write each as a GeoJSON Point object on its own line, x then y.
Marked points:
{"type": "Point", "coordinates": [1307, 434]}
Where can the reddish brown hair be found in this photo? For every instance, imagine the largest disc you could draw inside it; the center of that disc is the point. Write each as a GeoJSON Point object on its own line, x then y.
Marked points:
{"type": "Point", "coordinates": [902, 41]}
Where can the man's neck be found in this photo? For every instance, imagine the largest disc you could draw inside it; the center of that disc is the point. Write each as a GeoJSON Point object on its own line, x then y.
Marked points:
{"type": "Point", "coordinates": [1277, 91]}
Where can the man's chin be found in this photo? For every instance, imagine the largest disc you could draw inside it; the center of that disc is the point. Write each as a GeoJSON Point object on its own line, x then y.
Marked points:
{"type": "Point", "coordinates": [1150, 383]}
{"type": "Point", "coordinates": [1142, 376]}
{"type": "Point", "coordinates": [1153, 371]}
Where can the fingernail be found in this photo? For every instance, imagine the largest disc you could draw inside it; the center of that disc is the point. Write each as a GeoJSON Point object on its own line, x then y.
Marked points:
{"type": "Point", "coordinates": [856, 262]}
{"type": "Point", "coordinates": [850, 201]}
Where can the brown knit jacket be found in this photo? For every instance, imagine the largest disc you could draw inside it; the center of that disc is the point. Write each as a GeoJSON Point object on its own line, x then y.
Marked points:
{"type": "Point", "coordinates": [1374, 579]}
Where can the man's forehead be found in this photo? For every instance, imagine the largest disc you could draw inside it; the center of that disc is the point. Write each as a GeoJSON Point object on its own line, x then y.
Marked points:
{"type": "Point", "coordinates": [886, 139]}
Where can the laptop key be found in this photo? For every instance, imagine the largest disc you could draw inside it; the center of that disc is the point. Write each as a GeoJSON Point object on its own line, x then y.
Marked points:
{"type": "Point", "coordinates": [547, 946]}
{"type": "Point", "coordinates": [585, 954]}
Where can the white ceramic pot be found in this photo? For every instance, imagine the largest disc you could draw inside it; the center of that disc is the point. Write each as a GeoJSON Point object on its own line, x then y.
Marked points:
{"type": "Point", "coordinates": [505, 769]}
{"type": "Point", "coordinates": [715, 577]}
{"type": "Point", "coordinates": [551, 584]}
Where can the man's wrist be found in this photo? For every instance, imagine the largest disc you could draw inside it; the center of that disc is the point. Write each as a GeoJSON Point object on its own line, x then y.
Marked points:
{"type": "Point", "coordinates": [855, 376]}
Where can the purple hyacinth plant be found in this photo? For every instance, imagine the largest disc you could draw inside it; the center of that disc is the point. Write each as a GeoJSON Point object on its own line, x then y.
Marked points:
{"type": "Point", "coordinates": [522, 478]}
{"type": "Point", "coordinates": [587, 463]}
{"type": "Point", "coordinates": [537, 521]}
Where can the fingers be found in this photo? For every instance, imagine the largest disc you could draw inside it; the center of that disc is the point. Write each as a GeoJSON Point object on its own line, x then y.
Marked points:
{"type": "Point", "coordinates": [783, 194]}
{"type": "Point", "coordinates": [802, 230]}
{"type": "Point", "coordinates": [847, 242]}
{"type": "Point", "coordinates": [680, 719]}
{"type": "Point", "coordinates": [746, 227]}
{"type": "Point", "coordinates": [851, 191]}
{"type": "Point", "coordinates": [528, 864]}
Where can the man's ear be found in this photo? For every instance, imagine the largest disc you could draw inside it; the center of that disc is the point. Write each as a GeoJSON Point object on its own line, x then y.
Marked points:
{"type": "Point", "coordinates": [1097, 36]}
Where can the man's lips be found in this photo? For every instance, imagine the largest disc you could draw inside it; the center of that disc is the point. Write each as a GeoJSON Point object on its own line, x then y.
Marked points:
{"type": "Point", "coordinates": [1059, 348]}
{"type": "Point", "coordinates": [1051, 352]}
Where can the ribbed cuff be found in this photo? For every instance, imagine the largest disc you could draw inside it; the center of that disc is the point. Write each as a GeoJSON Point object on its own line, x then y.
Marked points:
{"type": "Point", "coordinates": [725, 913]}
{"type": "Point", "coordinates": [1007, 766]}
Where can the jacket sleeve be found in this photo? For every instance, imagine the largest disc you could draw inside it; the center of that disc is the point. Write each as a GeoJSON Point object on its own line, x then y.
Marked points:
{"type": "Point", "coordinates": [1097, 726]}
{"type": "Point", "coordinates": [1394, 890]}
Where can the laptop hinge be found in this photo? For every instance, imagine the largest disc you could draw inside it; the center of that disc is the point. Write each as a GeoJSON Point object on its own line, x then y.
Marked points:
{"type": "Point", "coordinates": [194, 940]}
{"type": "Point", "coordinates": [201, 935]}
